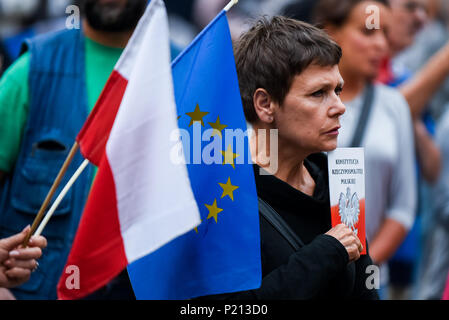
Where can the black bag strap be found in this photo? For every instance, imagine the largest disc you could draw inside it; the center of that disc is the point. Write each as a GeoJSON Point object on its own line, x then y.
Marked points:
{"type": "Point", "coordinates": [364, 116]}
{"type": "Point", "coordinates": [279, 224]}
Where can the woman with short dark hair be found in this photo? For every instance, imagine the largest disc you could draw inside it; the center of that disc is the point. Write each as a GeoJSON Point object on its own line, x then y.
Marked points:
{"type": "Point", "coordinates": [290, 82]}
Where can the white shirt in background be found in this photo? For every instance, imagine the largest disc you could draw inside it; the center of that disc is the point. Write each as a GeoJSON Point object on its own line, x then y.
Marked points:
{"type": "Point", "coordinates": [390, 172]}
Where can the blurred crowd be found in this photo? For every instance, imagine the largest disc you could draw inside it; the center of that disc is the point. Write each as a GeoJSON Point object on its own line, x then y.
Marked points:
{"type": "Point", "coordinates": [19, 20]}
{"type": "Point", "coordinates": [409, 202]}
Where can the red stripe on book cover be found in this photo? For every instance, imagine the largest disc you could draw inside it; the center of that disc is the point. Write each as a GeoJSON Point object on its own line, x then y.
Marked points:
{"type": "Point", "coordinates": [360, 226]}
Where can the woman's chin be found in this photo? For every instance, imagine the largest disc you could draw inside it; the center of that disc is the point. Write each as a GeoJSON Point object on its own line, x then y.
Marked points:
{"type": "Point", "coordinates": [329, 147]}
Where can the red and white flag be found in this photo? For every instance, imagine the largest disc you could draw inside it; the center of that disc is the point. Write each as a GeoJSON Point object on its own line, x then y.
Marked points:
{"type": "Point", "coordinates": [140, 199]}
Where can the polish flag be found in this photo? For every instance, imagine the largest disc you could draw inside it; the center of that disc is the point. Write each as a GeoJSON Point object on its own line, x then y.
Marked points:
{"type": "Point", "coordinates": [140, 199]}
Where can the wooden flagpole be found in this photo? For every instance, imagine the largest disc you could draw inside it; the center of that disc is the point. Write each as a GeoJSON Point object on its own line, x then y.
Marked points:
{"type": "Point", "coordinates": [61, 196]}
{"type": "Point", "coordinates": [51, 193]}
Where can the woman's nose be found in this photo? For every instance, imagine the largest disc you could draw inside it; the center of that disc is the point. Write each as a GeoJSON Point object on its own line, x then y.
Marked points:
{"type": "Point", "coordinates": [337, 109]}
{"type": "Point", "coordinates": [381, 42]}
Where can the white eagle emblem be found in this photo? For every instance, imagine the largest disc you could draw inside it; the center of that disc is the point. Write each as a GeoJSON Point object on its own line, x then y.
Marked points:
{"type": "Point", "coordinates": [349, 209]}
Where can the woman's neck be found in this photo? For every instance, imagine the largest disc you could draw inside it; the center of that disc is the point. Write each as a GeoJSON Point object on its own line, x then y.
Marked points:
{"type": "Point", "coordinates": [295, 174]}
{"type": "Point", "coordinates": [289, 166]}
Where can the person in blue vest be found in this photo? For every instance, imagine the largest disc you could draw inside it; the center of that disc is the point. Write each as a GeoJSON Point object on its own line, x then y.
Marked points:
{"type": "Point", "coordinates": [45, 98]}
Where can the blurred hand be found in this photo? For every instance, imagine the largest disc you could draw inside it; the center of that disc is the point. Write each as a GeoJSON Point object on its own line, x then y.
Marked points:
{"type": "Point", "coordinates": [16, 262]}
{"type": "Point", "coordinates": [348, 239]}
{"type": "Point", "coordinates": [5, 294]}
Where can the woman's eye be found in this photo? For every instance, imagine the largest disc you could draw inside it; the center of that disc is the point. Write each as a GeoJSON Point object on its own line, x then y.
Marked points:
{"type": "Point", "coordinates": [369, 32]}
{"type": "Point", "coordinates": [318, 93]}
{"type": "Point", "coordinates": [338, 91]}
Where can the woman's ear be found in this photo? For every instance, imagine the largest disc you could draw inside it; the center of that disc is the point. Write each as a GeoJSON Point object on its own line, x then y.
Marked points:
{"type": "Point", "coordinates": [263, 105]}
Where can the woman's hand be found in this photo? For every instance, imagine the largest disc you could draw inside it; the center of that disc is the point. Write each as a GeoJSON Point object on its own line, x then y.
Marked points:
{"type": "Point", "coordinates": [348, 239]}
{"type": "Point", "coordinates": [16, 262]}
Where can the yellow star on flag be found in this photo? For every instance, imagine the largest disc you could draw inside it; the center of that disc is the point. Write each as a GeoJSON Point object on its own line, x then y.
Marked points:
{"type": "Point", "coordinates": [213, 211]}
{"type": "Point", "coordinates": [229, 156]}
{"type": "Point", "coordinates": [218, 127]}
{"type": "Point", "coordinates": [228, 189]}
{"type": "Point", "coordinates": [197, 115]}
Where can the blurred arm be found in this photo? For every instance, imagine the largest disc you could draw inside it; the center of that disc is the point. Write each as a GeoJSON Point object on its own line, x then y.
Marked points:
{"type": "Point", "coordinates": [429, 155]}
{"type": "Point", "coordinates": [423, 86]}
{"type": "Point", "coordinates": [387, 241]}
{"type": "Point", "coordinates": [400, 212]}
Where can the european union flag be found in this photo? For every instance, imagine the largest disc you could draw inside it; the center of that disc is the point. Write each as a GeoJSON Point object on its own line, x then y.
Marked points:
{"type": "Point", "coordinates": [223, 253]}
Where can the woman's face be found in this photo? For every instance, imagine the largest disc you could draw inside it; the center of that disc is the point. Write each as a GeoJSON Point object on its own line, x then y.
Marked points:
{"type": "Point", "coordinates": [363, 48]}
{"type": "Point", "coordinates": [409, 16]}
{"type": "Point", "coordinates": [308, 119]}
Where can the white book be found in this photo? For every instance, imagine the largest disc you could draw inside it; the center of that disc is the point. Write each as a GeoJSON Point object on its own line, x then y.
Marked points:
{"type": "Point", "coordinates": [347, 189]}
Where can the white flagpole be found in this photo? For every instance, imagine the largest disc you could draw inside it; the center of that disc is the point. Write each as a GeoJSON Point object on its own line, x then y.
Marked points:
{"type": "Point", "coordinates": [230, 5]}
{"type": "Point", "coordinates": [52, 191]}
{"type": "Point", "coordinates": [60, 197]}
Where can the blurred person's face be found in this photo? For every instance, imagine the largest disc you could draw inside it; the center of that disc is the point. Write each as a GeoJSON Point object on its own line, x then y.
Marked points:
{"type": "Point", "coordinates": [409, 16]}
{"type": "Point", "coordinates": [363, 48]}
{"type": "Point", "coordinates": [19, 9]}
{"type": "Point", "coordinates": [113, 15]}
{"type": "Point", "coordinates": [308, 119]}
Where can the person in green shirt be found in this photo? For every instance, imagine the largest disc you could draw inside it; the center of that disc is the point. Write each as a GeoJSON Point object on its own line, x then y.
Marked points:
{"type": "Point", "coordinates": [102, 53]}
{"type": "Point", "coordinates": [107, 27]}
{"type": "Point", "coordinates": [14, 94]}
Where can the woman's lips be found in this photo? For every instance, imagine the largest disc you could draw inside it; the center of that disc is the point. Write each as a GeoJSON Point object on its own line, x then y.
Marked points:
{"type": "Point", "coordinates": [376, 63]}
{"type": "Point", "coordinates": [333, 131]}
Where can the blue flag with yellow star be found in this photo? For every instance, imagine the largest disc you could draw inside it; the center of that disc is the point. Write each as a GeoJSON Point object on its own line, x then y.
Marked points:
{"type": "Point", "coordinates": [222, 254]}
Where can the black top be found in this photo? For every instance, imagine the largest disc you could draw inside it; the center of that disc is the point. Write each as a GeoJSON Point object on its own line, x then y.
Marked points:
{"type": "Point", "coordinates": [307, 216]}
{"type": "Point", "coordinates": [320, 268]}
